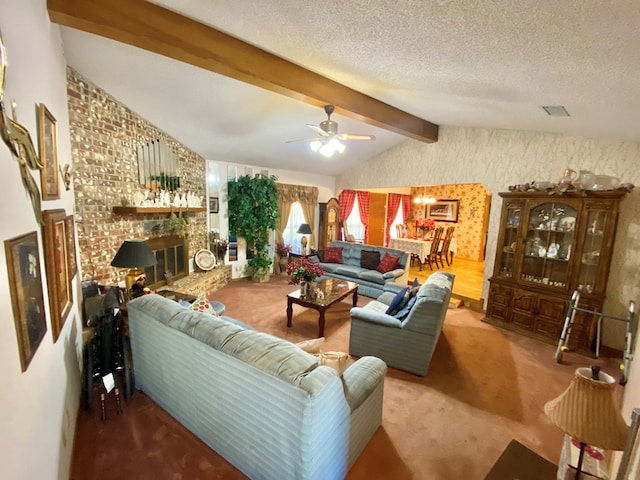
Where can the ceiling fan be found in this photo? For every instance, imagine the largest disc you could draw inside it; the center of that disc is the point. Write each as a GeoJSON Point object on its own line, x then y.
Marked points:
{"type": "Point", "coordinates": [328, 141]}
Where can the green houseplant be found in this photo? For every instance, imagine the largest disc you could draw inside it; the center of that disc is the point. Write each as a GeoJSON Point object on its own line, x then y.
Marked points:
{"type": "Point", "coordinates": [253, 212]}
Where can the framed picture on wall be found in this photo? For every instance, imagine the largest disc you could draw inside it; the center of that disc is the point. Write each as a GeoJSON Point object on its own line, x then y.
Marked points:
{"type": "Point", "coordinates": [58, 269]}
{"type": "Point", "coordinates": [214, 205]}
{"type": "Point", "coordinates": [443, 210]}
{"type": "Point", "coordinates": [48, 143]}
{"type": "Point", "coordinates": [71, 245]}
{"type": "Point", "coordinates": [27, 299]}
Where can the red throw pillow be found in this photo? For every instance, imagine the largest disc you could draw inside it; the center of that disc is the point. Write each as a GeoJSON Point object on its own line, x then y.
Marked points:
{"type": "Point", "coordinates": [388, 263]}
{"type": "Point", "coordinates": [333, 255]}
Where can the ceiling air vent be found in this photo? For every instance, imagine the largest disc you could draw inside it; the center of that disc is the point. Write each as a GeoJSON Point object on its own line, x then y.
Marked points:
{"type": "Point", "coordinates": [556, 111]}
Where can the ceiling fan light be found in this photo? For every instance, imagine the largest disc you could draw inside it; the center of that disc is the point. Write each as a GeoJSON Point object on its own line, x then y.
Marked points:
{"type": "Point", "coordinates": [315, 145]}
{"type": "Point", "coordinates": [339, 147]}
{"type": "Point", "coordinates": [327, 150]}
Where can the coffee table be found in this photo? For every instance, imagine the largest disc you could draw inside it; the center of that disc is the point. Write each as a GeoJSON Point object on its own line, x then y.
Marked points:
{"type": "Point", "coordinates": [327, 292]}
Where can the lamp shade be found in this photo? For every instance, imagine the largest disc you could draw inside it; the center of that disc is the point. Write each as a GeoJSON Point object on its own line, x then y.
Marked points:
{"type": "Point", "coordinates": [134, 253]}
{"type": "Point", "coordinates": [587, 411]}
{"type": "Point", "coordinates": [304, 229]}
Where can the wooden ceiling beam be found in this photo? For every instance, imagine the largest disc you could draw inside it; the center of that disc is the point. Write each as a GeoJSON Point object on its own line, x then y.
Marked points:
{"type": "Point", "coordinates": [156, 29]}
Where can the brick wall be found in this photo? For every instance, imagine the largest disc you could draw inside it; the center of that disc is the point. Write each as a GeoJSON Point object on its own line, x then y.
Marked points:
{"type": "Point", "coordinates": [104, 135]}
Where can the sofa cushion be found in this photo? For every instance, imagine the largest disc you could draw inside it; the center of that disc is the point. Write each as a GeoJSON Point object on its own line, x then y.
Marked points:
{"type": "Point", "coordinates": [394, 306]}
{"type": "Point", "coordinates": [372, 276]}
{"type": "Point", "coordinates": [369, 259]}
{"type": "Point", "coordinates": [388, 263]}
{"type": "Point", "coordinates": [330, 267]}
{"type": "Point", "coordinates": [333, 255]}
{"type": "Point", "coordinates": [349, 270]}
{"type": "Point", "coordinates": [270, 354]}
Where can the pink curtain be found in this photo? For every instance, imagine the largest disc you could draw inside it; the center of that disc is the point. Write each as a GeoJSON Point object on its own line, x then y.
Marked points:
{"type": "Point", "coordinates": [363, 209]}
{"type": "Point", "coordinates": [393, 203]}
{"type": "Point", "coordinates": [346, 198]}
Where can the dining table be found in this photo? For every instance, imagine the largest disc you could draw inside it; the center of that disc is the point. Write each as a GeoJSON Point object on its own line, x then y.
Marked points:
{"type": "Point", "coordinates": [419, 247]}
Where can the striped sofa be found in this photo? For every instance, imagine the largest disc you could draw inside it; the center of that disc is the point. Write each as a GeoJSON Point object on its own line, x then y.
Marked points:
{"type": "Point", "coordinates": [261, 402]}
{"type": "Point", "coordinates": [408, 343]}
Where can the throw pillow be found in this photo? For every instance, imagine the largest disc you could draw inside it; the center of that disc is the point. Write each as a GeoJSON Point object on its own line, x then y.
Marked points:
{"type": "Point", "coordinates": [311, 346]}
{"type": "Point", "coordinates": [369, 259]}
{"type": "Point", "coordinates": [335, 360]}
{"type": "Point", "coordinates": [388, 263]}
{"type": "Point", "coordinates": [404, 311]}
{"type": "Point", "coordinates": [333, 255]}
{"type": "Point", "coordinates": [397, 300]}
{"type": "Point", "coordinates": [202, 304]}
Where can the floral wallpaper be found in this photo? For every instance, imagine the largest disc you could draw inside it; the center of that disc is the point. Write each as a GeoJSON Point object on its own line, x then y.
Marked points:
{"type": "Point", "coordinates": [473, 209]}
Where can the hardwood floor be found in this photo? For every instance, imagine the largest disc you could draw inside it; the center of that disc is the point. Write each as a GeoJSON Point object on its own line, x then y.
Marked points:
{"type": "Point", "coordinates": [468, 283]}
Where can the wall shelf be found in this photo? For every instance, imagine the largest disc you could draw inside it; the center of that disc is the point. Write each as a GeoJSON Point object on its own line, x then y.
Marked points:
{"type": "Point", "coordinates": [136, 210]}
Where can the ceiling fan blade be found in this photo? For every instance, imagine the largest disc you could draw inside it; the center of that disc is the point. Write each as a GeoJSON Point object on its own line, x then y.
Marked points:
{"type": "Point", "coordinates": [353, 136]}
{"type": "Point", "coordinates": [319, 139]}
{"type": "Point", "coordinates": [318, 130]}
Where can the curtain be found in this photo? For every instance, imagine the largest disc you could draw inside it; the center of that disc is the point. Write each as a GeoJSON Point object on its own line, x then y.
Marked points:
{"type": "Point", "coordinates": [393, 203]}
{"type": "Point", "coordinates": [406, 207]}
{"type": "Point", "coordinates": [363, 209]}
{"type": "Point", "coordinates": [284, 206]}
{"type": "Point", "coordinates": [346, 198]}
{"type": "Point", "coordinates": [287, 195]}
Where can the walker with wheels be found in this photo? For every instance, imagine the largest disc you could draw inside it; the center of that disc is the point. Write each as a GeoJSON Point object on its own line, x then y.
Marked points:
{"type": "Point", "coordinates": [568, 324]}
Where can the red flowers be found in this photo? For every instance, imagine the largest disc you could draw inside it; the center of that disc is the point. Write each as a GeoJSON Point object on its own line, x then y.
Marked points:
{"type": "Point", "coordinates": [304, 271]}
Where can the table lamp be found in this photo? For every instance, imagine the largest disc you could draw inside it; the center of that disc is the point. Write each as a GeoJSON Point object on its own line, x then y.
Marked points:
{"type": "Point", "coordinates": [587, 411]}
{"type": "Point", "coordinates": [134, 254]}
{"type": "Point", "coordinates": [304, 229]}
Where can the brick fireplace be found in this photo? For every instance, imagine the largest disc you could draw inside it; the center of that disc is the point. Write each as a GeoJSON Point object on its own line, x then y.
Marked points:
{"type": "Point", "coordinates": [104, 136]}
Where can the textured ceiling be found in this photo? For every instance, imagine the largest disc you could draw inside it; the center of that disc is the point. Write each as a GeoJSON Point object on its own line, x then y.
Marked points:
{"type": "Point", "coordinates": [464, 63]}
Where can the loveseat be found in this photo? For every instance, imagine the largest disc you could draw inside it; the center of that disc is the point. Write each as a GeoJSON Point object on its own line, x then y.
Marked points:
{"type": "Point", "coordinates": [261, 402]}
{"type": "Point", "coordinates": [403, 328]}
{"type": "Point", "coordinates": [349, 266]}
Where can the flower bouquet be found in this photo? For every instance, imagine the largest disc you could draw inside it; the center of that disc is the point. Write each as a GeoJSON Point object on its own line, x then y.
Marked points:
{"type": "Point", "coordinates": [304, 271]}
{"type": "Point", "coordinates": [425, 225]}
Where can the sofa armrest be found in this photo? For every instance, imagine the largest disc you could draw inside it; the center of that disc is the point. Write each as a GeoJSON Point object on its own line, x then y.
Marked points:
{"type": "Point", "coordinates": [375, 317]}
{"type": "Point", "coordinates": [361, 378]}
{"type": "Point", "coordinates": [398, 272]}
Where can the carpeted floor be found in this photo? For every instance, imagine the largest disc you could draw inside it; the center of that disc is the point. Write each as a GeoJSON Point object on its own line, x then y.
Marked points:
{"type": "Point", "coordinates": [485, 387]}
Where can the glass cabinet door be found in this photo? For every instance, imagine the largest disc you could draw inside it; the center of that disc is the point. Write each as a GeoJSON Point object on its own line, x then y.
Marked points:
{"type": "Point", "coordinates": [549, 242]}
{"type": "Point", "coordinates": [509, 240]}
{"type": "Point", "coordinates": [596, 221]}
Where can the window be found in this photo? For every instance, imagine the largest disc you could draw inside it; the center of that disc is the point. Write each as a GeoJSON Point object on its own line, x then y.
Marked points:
{"type": "Point", "coordinates": [399, 220]}
{"type": "Point", "coordinates": [353, 223]}
{"type": "Point", "coordinates": [296, 217]}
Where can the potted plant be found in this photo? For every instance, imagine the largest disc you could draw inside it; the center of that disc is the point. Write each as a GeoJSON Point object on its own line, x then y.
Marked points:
{"type": "Point", "coordinates": [253, 212]}
{"type": "Point", "coordinates": [282, 252]}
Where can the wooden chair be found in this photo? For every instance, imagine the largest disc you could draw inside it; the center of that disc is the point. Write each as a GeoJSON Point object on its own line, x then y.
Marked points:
{"type": "Point", "coordinates": [446, 244]}
{"type": "Point", "coordinates": [435, 248]}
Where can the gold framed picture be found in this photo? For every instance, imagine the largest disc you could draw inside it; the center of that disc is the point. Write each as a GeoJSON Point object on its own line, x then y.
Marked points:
{"type": "Point", "coordinates": [71, 245]}
{"type": "Point", "coordinates": [57, 266]}
{"type": "Point", "coordinates": [27, 299]}
{"type": "Point", "coordinates": [48, 143]}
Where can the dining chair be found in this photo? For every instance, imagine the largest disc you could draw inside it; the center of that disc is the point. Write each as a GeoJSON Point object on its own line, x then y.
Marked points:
{"type": "Point", "coordinates": [446, 245]}
{"type": "Point", "coordinates": [435, 248]}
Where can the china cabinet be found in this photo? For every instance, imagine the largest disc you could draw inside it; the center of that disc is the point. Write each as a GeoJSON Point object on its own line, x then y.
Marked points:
{"type": "Point", "coordinates": [548, 246]}
{"type": "Point", "coordinates": [328, 222]}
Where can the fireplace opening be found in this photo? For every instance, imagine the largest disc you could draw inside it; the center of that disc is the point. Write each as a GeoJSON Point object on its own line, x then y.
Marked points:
{"type": "Point", "coordinates": [171, 253]}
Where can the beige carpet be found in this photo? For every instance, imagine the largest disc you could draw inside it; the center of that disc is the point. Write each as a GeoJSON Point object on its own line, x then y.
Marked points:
{"type": "Point", "coordinates": [484, 388]}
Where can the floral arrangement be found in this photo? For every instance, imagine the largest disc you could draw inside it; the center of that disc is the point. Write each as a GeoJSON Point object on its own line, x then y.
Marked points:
{"type": "Point", "coordinates": [425, 223]}
{"type": "Point", "coordinates": [283, 249]}
{"type": "Point", "coordinates": [220, 246]}
{"type": "Point", "coordinates": [304, 271]}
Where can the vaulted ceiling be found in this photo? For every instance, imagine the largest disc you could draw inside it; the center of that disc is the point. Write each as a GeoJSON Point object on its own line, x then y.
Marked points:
{"type": "Point", "coordinates": [235, 80]}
